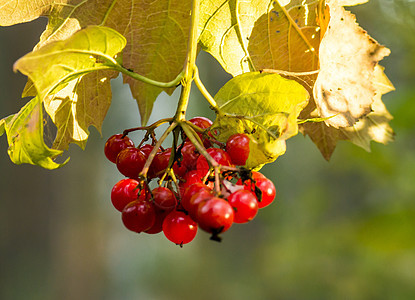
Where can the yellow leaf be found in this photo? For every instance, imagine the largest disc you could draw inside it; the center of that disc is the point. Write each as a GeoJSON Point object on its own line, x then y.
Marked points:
{"type": "Point", "coordinates": [156, 32]}
{"type": "Point", "coordinates": [375, 126]}
{"type": "Point", "coordinates": [344, 91]}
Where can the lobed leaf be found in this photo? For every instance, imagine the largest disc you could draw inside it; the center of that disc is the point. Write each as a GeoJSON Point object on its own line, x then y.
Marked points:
{"type": "Point", "coordinates": [25, 137]}
{"type": "Point", "coordinates": [261, 34]}
{"type": "Point", "coordinates": [65, 76]}
{"type": "Point", "coordinates": [344, 90]}
{"type": "Point", "coordinates": [316, 43]}
{"type": "Point", "coordinates": [263, 106]}
{"type": "Point", "coordinates": [375, 126]}
{"type": "Point", "coordinates": [53, 66]}
{"type": "Point", "coordinates": [87, 106]}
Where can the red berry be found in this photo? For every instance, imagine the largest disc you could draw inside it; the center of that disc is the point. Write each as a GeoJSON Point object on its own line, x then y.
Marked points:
{"type": "Point", "coordinates": [255, 176]}
{"type": "Point", "coordinates": [189, 179]}
{"type": "Point", "coordinates": [179, 228]}
{"type": "Point", "coordinates": [124, 192]}
{"type": "Point", "coordinates": [265, 185]}
{"type": "Point", "coordinates": [179, 171]}
{"type": "Point", "coordinates": [220, 156]}
{"type": "Point", "coordinates": [215, 215]}
{"type": "Point", "coordinates": [158, 223]}
{"type": "Point", "coordinates": [237, 147]}
{"type": "Point", "coordinates": [115, 144]}
{"type": "Point", "coordinates": [195, 200]}
{"type": "Point", "coordinates": [190, 191]}
{"type": "Point", "coordinates": [268, 191]}
{"type": "Point", "coordinates": [190, 155]}
{"type": "Point", "coordinates": [139, 215]}
{"type": "Point", "coordinates": [202, 123]}
{"type": "Point", "coordinates": [245, 205]}
{"type": "Point", "coordinates": [146, 149]}
{"type": "Point", "coordinates": [130, 162]}
{"type": "Point", "coordinates": [164, 198]}
{"type": "Point", "coordinates": [161, 162]}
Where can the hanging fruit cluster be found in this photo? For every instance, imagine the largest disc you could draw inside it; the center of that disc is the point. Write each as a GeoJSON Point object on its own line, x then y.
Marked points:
{"type": "Point", "coordinates": [198, 186]}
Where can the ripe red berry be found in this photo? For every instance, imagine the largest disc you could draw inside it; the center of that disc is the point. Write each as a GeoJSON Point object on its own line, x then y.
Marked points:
{"type": "Point", "coordinates": [139, 215]}
{"type": "Point", "coordinates": [158, 223]}
{"type": "Point", "coordinates": [255, 176]}
{"type": "Point", "coordinates": [215, 215]}
{"type": "Point", "coordinates": [146, 149]}
{"type": "Point", "coordinates": [179, 228]}
{"type": "Point", "coordinates": [190, 191]}
{"type": "Point", "coordinates": [245, 205]}
{"type": "Point", "coordinates": [202, 123]}
{"type": "Point", "coordinates": [195, 200]}
{"type": "Point", "coordinates": [265, 185]}
{"type": "Point", "coordinates": [179, 171]}
{"type": "Point", "coordinates": [164, 198]}
{"type": "Point", "coordinates": [268, 191]}
{"type": "Point", "coordinates": [220, 156]}
{"type": "Point", "coordinates": [237, 147]}
{"type": "Point", "coordinates": [190, 156]}
{"type": "Point", "coordinates": [130, 162]}
{"type": "Point", "coordinates": [124, 192]}
{"type": "Point", "coordinates": [189, 179]}
{"type": "Point", "coordinates": [161, 162]}
{"type": "Point", "coordinates": [115, 144]}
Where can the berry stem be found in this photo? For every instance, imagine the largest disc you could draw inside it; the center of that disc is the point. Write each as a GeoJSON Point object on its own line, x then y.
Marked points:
{"type": "Point", "coordinates": [149, 128]}
{"type": "Point", "coordinates": [205, 92]}
{"type": "Point", "coordinates": [153, 152]}
{"type": "Point", "coordinates": [172, 159]}
{"type": "Point", "coordinates": [199, 146]}
{"type": "Point", "coordinates": [190, 64]}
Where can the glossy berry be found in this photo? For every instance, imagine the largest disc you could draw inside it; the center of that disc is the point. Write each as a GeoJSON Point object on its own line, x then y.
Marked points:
{"type": "Point", "coordinates": [124, 192]}
{"type": "Point", "coordinates": [161, 162]}
{"type": "Point", "coordinates": [179, 228]}
{"type": "Point", "coordinates": [146, 149]}
{"type": "Point", "coordinates": [255, 176]}
{"type": "Point", "coordinates": [189, 179]}
{"type": "Point", "coordinates": [196, 199]}
{"type": "Point", "coordinates": [164, 198]}
{"type": "Point", "coordinates": [190, 156]}
{"type": "Point", "coordinates": [245, 205]}
{"type": "Point", "coordinates": [203, 123]}
{"type": "Point", "coordinates": [130, 162]}
{"type": "Point", "coordinates": [190, 191]}
{"type": "Point", "coordinates": [237, 147]}
{"type": "Point", "coordinates": [215, 215]}
{"type": "Point", "coordinates": [220, 156]}
{"type": "Point", "coordinates": [139, 215]}
{"type": "Point", "coordinates": [268, 191]}
{"type": "Point", "coordinates": [115, 144]}
{"type": "Point", "coordinates": [179, 169]}
{"type": "Point", "coordinates": [158, 223]}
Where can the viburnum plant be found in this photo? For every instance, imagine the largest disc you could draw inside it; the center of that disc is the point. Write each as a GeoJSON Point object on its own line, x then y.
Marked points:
{"type": "Point", "coordinates": [297, 66]}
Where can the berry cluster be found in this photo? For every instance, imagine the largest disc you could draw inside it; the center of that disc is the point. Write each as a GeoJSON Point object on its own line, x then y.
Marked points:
{"type": "Point", "coordinates": [193, 194]}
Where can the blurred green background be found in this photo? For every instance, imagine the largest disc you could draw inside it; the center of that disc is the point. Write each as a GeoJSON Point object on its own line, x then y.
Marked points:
{"type": "Point", "coordinates": [338, 230]}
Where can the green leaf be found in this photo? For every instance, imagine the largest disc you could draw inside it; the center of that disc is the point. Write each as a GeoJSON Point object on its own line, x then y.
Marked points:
{"type": "Point", "coordinates": [25, 137]}
{"type": "Point", "coordinates": [67, 70]}
{"type": "Point", "coordinates": [73, 115]}
{"type": "Point", "coordinates": [265, 107]}
{"type": "Point", "coordinates": [156, 33]}
{"type": "Point", "coordinates": [54, 65]}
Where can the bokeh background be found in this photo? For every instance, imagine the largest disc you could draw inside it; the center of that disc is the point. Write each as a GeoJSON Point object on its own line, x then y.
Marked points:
{"type": "Point", "coordinates": [338, 230]}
